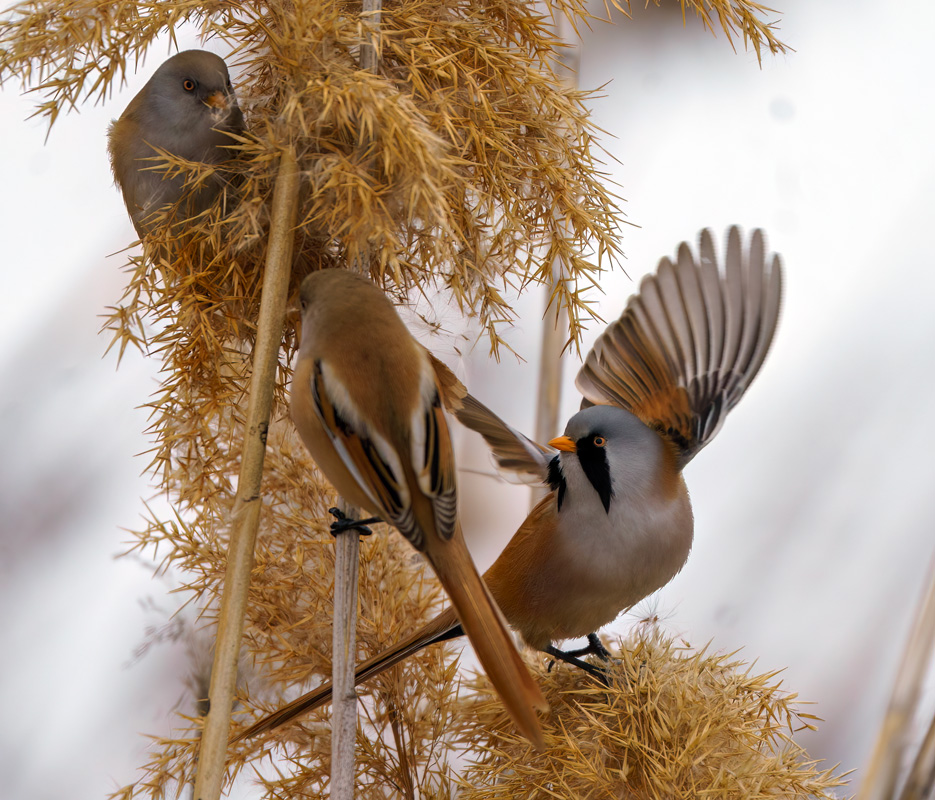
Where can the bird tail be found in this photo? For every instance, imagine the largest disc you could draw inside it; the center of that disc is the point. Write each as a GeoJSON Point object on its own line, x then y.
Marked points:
{"type": "Point", "coordinates": [444, 626]}
{"type": "Point", "coordinates": [482, 622]}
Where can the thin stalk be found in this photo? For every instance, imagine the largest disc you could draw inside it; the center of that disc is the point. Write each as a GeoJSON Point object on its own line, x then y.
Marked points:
{"type": "Point", "coordinates": [344, 660]}
{"type": "Point", "coordinates": [921, 778]}
{"type": "Point", "coordinates": [555, 323]}
{"type": "Point", "coordinates": [347, 558]}
{"type": "Point", "coordinates": [246, 514]}
{"type": "Point", "coordinates": [883, 771]}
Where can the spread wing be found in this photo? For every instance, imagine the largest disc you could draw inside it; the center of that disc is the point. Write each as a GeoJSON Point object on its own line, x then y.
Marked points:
{"type": "Point", "coordinates": [451, 390]}
{"type": "Point", "coordinates": [512, 451]}
{"type": "Point", "coordinates": [689, 344]}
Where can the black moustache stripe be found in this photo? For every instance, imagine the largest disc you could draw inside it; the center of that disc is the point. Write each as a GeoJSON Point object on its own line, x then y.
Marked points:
{"type": "Point", "coordinates": [556, 480]}
{"type": "Point", "coordinates": [594, 463]}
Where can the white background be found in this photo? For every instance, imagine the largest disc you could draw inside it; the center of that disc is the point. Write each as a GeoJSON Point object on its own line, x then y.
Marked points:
{"type": "Point", "coordinates": [814, 510]}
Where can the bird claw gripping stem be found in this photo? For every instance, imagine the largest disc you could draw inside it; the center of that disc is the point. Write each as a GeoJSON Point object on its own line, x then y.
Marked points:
{"type": "Point", "coordinates": [344, 523]}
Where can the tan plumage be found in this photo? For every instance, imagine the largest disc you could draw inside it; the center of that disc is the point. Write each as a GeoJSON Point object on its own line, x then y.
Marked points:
{"type": "Point", "coordinates": [657, 386]}
{"type": "Point", "coordinates": [366, 400]}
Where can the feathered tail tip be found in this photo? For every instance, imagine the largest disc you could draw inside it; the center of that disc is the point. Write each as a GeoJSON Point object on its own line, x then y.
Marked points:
{"type": "Point", "coordinates": [674, 722]}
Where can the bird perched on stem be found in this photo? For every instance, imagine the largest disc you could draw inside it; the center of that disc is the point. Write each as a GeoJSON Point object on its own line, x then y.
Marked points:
{"type": "Point", "coordinates": [367, 403]}
{"type": "Point", "coordinates": [187, 110]}
{"type": "Point", "coordinates": [617, 524]}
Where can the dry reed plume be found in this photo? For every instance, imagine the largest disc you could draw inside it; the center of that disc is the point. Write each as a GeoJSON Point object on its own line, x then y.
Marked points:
{"type": "Point", "coordinates": [676, 722]}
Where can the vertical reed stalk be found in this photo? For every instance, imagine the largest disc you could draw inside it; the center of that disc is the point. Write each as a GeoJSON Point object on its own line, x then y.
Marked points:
{"type": "Point", "coordinates": [246, 515]}
{"type": "Point", "coordinates": [344, 660]}
{"type": "Point", "coordinates": [555, 325]}
{"type": "Point", "coordinates": [346, 561]}
{"type": "Point", "coordinates": [886, 762]}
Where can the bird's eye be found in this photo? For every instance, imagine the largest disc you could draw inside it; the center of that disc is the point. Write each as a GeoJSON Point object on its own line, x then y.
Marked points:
{"type": "Point", "coordinates": [599, 441]}
{"type": "Point", "coordinates": [188, 85]}
{"type": "Point", "coordinates": [303, 304]}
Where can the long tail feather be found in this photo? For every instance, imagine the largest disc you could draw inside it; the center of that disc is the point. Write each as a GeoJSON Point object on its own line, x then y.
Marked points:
{"type": "Point", "coordinates": [492, 641]}
{"type": "Point", "coordinates": [445, 626]}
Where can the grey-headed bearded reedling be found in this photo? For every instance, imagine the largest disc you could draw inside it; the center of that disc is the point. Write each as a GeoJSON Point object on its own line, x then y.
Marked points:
{"type": "Point", "coordinates": [187, 109]}
{"type": "Point", "coordinates": [617, 522]}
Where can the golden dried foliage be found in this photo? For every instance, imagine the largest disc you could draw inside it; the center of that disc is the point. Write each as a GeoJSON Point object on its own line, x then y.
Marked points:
{"type": "Point", "coordinates": [407, 713]}
{"type": "Point", "coordinates": [463, 165]}
{"type": "Point", "coordinates": [742, 18]}
{"type": "Point", "coordinates": [675, 722]}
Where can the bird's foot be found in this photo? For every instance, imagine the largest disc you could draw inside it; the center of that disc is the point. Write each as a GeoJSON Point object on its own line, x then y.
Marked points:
{"type": "Point", "coordinates": [598, 673]}
{"type": "Point", "coordinates": [344, 523]}
{"type": "Point", "coordinates": [595, 648]}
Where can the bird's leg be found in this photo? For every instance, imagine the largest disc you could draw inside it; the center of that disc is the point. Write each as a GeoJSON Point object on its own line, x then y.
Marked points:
{"type": "Point", "coordinates": [595, 672]}
{"type": "Point", "coordinates": [595, 647]}
{"type": "Point", "coordinates": [344, 523]}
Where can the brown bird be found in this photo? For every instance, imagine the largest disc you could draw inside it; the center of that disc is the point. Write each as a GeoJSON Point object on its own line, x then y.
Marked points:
{"type": "Point", "coordinates": [617, 524]}
{"type": "Point", "coordinates": [187, 109]}
{"type": "Point", "coordinates": [367, 402]}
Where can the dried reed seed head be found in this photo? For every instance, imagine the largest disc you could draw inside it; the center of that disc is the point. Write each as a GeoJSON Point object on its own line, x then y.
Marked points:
{"type": "Point", "coordinates": [675, 722]}
{"type": "Point", "coordinates": [463, 162]}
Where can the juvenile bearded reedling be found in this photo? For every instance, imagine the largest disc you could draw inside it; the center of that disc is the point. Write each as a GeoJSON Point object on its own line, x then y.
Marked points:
{"type": "Point", "coordinates": [617, 524]}
{"type": "Point", "coordinates": [367, 402]}
{"type": "Point", "coordinates": [187, 109]}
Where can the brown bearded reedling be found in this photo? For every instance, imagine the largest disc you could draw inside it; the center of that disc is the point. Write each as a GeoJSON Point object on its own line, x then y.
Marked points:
{"type": "Point", "coordinates": [617, 524]}
{"type": "Point", "coordinates": [367, 403]}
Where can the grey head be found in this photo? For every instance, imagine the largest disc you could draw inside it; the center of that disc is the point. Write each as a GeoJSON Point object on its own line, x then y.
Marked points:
{"type": "Point", "coordinates": [186, 109]}
{"type": "Point", "coordinates": [187, 105]}
{"type": "Point", "coordinates": [609, 451]}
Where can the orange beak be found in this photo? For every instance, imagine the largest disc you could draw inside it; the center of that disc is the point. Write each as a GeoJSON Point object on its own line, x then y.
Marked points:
{"type": "Point", "coordinates": [563, 443]}
{"type": "Point", "coordinates": [218, 100]}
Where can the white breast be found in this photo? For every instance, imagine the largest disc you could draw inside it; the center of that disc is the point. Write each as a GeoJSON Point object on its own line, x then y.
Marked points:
{"type": "Point", "coordinates": [613, 559]}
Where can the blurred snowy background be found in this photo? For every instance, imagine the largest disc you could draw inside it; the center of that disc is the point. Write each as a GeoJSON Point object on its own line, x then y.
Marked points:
{"type": "Point", "coordinates": [814, 508]}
